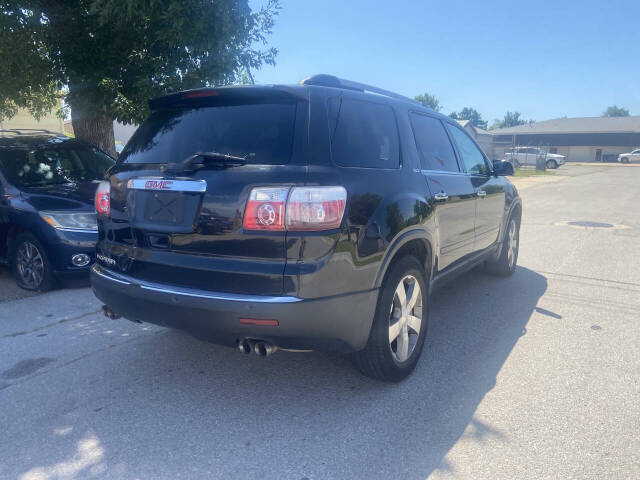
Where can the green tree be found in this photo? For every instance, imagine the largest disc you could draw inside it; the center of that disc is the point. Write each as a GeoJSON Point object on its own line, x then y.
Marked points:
{"type": "Point", "coordinates": [615, 111]}
{"type": "Point", "coordinates": [106, 58]}
{"type": "Point", "coordinates": [510, 119]}
{"type": "Point", "coordinates": [471, 114]}
{"type": "Point", "coordinates": [429, 100]}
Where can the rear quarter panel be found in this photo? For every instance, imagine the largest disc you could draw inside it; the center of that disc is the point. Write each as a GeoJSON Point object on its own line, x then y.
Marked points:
{"type": "Point", "coordinates": [383, 205]}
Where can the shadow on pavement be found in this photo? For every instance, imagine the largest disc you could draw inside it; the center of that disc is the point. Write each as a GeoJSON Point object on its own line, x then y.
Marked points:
{"type": "Point", "coordinates": [310, 415]}
{"type": "Point", "coordinates": [9, 290]}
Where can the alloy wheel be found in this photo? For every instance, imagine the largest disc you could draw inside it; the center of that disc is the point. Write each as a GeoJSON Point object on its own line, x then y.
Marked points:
{"type": "Point", "coordinates": [30, 265]}
{"type": "Point", "coordinates": [405, 318]}
{"type": "Point", "coordinates": [512, 243]}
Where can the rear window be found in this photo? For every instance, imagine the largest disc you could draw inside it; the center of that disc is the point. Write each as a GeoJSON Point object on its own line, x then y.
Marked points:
{"type": "Point", "coordinates": [261, 132]}
{"type": "Point", "coordinates": [365, 134]}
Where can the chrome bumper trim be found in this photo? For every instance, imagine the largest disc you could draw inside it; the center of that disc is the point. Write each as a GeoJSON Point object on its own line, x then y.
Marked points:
{"type": "Point", "coordinates": [189, 292]}
{"type": "Point", "coordinates": [101, 273]}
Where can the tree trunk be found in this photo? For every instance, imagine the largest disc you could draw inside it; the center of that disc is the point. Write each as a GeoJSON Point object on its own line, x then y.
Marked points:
{"type": "Point", "coordinates": [94, 128]}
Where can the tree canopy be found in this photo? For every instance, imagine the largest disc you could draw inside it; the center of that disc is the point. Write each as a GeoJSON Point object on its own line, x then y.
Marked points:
{"type": "Point", "coordinates": [615, 111]}
{"type": "Point", "coordinates": [471, 114]}
{"type": "Point", "coordinates": [429, 100]}
{"type": "Point", "coordinates": [510, 119]}
{"type": "Point", "coordinates": [106, 58]}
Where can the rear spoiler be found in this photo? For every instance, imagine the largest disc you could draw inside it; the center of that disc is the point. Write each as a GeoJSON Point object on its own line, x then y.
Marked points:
{"type": "Point", "coordinates": [234, 95]}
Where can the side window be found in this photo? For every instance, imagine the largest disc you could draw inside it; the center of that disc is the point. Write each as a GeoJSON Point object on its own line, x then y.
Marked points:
{"type": "Point", "coordinates": [365, 135]}
{"type": "Point", "coordinates": [471, 155]}
{"type": "Point", "coordinates": [436, 151]}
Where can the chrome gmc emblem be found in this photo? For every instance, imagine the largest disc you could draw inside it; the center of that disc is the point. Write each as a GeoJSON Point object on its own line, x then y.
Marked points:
{"type": "Point", "coordinates": [158, 184]}
{"type": "Point", "coordinates": [164, 184]}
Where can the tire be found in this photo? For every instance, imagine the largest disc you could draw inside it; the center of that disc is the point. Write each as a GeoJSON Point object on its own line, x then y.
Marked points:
{"type": "Point", "coordinates": [625, 160]}
{"type": "Point", "coordinates": [385, 359]}
{"type": "Point", "coordinates": [29, 263]}
{"type": "Point", "coordinates": [551, 164]}
{"type": "Point", "coordinates": [508, 260]}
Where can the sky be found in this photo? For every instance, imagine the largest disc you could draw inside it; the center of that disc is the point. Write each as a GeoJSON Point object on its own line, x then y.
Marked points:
{"type": "Point", "coordinates": [544, 59]}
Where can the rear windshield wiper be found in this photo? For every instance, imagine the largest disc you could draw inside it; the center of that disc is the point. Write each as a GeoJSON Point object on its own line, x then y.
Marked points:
{"type": "Point", "coordinates": [200, 159]}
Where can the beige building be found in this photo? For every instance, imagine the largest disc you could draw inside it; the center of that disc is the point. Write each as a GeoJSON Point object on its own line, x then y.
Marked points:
{"type": "Point", "coordinates": [24, 120]}
{"type": "Point", "coordinates": [582, 139]}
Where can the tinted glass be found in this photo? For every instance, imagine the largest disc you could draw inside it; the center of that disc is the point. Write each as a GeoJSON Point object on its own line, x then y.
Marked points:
{"type": "Point", "coordinates": [33, 167]}
{"type": "Point", "coordinates": [471, 155]}
{"type": "Point", "coordinates": [262, 132]}
{"type": "Point", "coordinates": [436, 151]}
{"type": "Point", "coordinates": [365, 135]}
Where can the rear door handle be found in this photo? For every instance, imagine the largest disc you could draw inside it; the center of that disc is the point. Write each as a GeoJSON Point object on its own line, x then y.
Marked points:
{"type": "Point", "coordinates": [441, 197]}
{"type": "Point", "coordinates": [481, 193]}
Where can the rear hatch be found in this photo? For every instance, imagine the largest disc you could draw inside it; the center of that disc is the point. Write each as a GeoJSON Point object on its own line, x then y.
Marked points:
{"type": "Point", "coordinates": [177, 216]}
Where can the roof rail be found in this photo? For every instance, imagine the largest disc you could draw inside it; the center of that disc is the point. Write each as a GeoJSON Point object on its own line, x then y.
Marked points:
{"type": "Point", "coordinates": [19, 131]}
{"type": "Point", "coordinates": [324, 80]}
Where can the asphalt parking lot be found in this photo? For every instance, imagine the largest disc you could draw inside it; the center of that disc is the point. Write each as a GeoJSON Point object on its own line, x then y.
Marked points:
{"type": "Point", "coordinates": [536, 376]}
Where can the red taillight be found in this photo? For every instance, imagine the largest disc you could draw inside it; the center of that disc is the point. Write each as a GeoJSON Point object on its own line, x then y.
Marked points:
{"type": "Point", "coordinates": [315, 208]}
{"type": "Point", "coordinates": [265, 209]}
{"type": "Point", "coordinates": [259, 321]}
{"type": "Point", "coordinates": [103, 199]}
{"type": "Point", "coordinates": [295, 209]}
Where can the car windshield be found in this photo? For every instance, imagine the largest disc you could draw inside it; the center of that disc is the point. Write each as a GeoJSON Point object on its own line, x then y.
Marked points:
{"type": "Point", "coordinates": [36, 167]}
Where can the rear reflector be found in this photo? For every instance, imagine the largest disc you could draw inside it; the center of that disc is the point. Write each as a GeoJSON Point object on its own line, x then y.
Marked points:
{"type": "Point", "coordinates": [259, 321]}
{"type": "Point", "coordinates": [295, 209]}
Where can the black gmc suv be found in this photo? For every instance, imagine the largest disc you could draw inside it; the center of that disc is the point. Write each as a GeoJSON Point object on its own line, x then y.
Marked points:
{"type": "Point", "coordinates": [315, 216]}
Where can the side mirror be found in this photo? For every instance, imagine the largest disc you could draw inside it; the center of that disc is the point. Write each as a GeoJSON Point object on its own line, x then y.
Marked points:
{"type": "Point", "coordinates": [502, 169]}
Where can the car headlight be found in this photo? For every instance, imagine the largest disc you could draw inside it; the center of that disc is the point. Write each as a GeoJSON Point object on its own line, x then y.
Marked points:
{"type": "Point", "coordinates": [76, 221]}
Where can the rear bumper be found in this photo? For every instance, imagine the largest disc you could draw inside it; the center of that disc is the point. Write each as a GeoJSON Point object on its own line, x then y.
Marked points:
{"type": "Point", "coordinates": [340, 323]}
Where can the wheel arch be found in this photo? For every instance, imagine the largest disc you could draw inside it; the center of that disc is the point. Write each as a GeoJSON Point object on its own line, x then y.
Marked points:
{"type": "Point", "coordinates": [25, 227]}
{"type": "Point", "coordinates": [417, 243]}
{"type": "Point", "coordinates": [13, 231]}
{"type": "Point", "coordinates": [516, 209]}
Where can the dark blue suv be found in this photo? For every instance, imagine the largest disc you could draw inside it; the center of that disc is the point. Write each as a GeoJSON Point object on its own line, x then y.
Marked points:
{"type": "Point", "coordinates": [312, 216]}
{"type": "Point", "coordinates": [48, 224]}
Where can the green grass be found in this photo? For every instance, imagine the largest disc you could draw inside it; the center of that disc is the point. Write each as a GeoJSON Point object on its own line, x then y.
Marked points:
{"type": "Point", "coordinates": [532, 172]}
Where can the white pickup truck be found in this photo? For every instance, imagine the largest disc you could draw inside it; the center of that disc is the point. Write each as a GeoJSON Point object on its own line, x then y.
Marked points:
{"type": "Point", "coordinates": [529, 156]}
{"type": "Point", "coordinates": [631, 157]}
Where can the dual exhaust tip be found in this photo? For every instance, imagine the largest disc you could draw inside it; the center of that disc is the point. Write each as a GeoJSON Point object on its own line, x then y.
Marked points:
{"type": "Point", "coordinates": [260, 348]}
